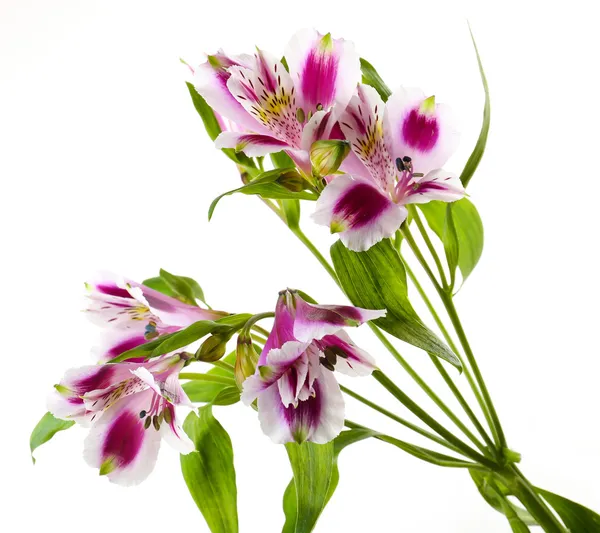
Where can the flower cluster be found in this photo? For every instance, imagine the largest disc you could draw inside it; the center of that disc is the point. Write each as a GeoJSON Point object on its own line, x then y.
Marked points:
{"type": "Point", "coordinates": [129, 405]}
{"type": "Point", "coordinates": [397, 147]}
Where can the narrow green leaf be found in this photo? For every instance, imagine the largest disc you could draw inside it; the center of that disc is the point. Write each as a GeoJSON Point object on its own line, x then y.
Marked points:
{"type": "Point", "coordinates": [371, 77]}
{"type": "Point", "coordinates": [268, 185]}
{"type": "Point", "coordinates": [179, 339]}
{"type": "Point", "coordinates": [205, 111]}
{"type": "Point", "coordinates": [211, 124]}
{"type": "Point", "coordinates": [459, 227]}
{"type": "Point", "coordinates": [313, 468]}
{"type": "Point", "coordinates": [207, 391]}
{"type": "Point", "coordinates": [228, 396]}
{"type": "Point", "coordinates": [209, 472]}
{"type": "Point", "coordinates": [45, 429]}
{"type": "Point", "coordinates": [376, 279]}
{"type": "Point", "coordinates": [477, 154]}
{"type": "Point", "coordinates": [576, 517]}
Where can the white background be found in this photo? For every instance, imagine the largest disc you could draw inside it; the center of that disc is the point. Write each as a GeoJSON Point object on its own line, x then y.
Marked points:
{"type": "Point", "coordinates": [104, 164]}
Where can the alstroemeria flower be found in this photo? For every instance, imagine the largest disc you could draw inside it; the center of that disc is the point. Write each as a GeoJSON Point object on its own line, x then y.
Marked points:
{"type": "Point", "coordinates": [403, 145]}
{"type": "Point", "coordinates": [299, 398]}
{"type": "Point", "coordinates": [133, 314]}
{"type": "Point", "coordinates": [131, 407]}
{"type": "Point", "coordinates": [281, 110]}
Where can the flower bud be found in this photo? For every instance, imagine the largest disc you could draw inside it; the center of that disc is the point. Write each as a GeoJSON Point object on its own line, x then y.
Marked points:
{"type": "Point", "coordinates": [293, 181]}
{"type": "Point", "coordinates": [327, 156]}
{"type": "Point", "coordinates": [246, 359]}
{"type": "Point", "coordinates": [213, 348]}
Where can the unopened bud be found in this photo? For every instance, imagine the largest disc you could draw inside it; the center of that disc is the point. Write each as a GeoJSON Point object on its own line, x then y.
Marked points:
{"type": "Point", "coordinates": [213, 348]}
{"type": "Point", "coordinates": [246, 359]}
{"type": "Point", "coordinates": [293, 181]}
{"type": "Point", "coordinates": [327, 156]}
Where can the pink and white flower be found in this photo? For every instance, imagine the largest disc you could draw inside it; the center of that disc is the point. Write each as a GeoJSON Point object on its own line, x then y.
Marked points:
{"type": "Point", "coordinates": [277, 108]}
{"type": "Point", "coordinates": [132, 314]}
{"type": "Point", "coordinates": [403, 145]}
{"type": "Point", "coordinates": [299, 398]}
{"type": "Point", "coordinates": [131, 407]}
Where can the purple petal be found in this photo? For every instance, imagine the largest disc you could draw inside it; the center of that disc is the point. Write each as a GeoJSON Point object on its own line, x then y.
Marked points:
{"type": "Point", "coordinates": [359, 211]}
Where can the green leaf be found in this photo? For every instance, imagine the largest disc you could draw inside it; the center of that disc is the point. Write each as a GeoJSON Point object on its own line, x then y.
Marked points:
{"type": "Point", "coordinates": [477, 154]}
{"type": "Point", "coordinates": [228, 396]}
{"type": "Point", "coordinates": [211, 124]}
{"type": "Point", "coordinates": [371, 77]}
{"type": "Point", "coordinates": [313, 467]}
{"type": "Point", "coordinates": [339, 443]}
{"type": "Point", "coordinates": [208, 391]}
{"type": "Point", "coordinates": [576, 517]}
{"type": "Point", "coordinates": [205, 111]}
{"type": "Point", "coordinates": [209, 472]}
{"type": "Point", "coordinates": [269, 184]}
{"type": "Point", "coordinates": [459, 227]}
{"type": "Point", "coordinates": [376, 279]}
{"type": "Point", "coordinates": [46, 428]}
{"type": "Point", "coordinates": [180, 339]}
{"type": "Point", "coordinates": [181, 287]}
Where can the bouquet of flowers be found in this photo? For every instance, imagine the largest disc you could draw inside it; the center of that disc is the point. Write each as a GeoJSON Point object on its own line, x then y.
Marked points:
{"type": "Point", "coordinates": [370, 161]}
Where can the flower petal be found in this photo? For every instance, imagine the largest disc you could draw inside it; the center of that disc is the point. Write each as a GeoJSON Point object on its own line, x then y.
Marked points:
{"type": "Point", "coordinates": [252, 144]}
{"type": "Point", "coordinates": [420, 129]}
{"type": "Point", "coordinates": [315, 321]}
{"type": "Point", "coordinates": [115, 342]}
{"type": "Point", "coordinates": [119, 445]}
{"type": "Point", "coordinates": [278, 362]}
{"type": "Point", "coordinates": [210, 80]}
{"type": "Point", "coordinates": [350, 359]}
{"type": "Point", "coordinates": [268, 94]}
{"type": "Point", "coordinates": [359, 211]}
{"type": "Point", "coordinates": [436, 185]}
{"type": "Point", "coordinates": [324, 70]}
{"type": "Point", "coordinates": [174, 435]}
{"type": "Point", "coordinates": [362, 125]}
{"type": "Point", "coordinates": [318, 419]}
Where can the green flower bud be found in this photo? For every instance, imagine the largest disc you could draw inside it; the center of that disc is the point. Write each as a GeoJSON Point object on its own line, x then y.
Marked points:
{"type": "Point", "coordinates": [213, 348]}
{"type": "Point", "coordinates": [246, 359]}
{"type": "Point", "coordinates": [293, 181]}
{"type": "Point", "coordinates": [327, 156]}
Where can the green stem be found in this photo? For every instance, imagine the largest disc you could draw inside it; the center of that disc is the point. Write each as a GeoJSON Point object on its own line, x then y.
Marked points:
{"type": "Point", "coordinates": [419, 381]}
{"type": "Point", "coordinates": [260, 330]}
{"type": "Point", "coordinates": [206, 377]}
{"type": "Point", "coordinates": [403, 398]}
{"type": "Point", "coordinates": [223, 365]}
{"type": "Point", "coordinates": [258, 339]}
{"type": "Point", "coordinates": [398, 419]}
{"type": "Point", "coordinates": [483, 398]}
{"type": "Point", "coordinates": [496, 425]}
{"type": "Point", "coordinates": [415, 215]}
{"type": "Point", "coordinates": [449, 381]}
{"type": "Point", "coordinates": [315, 251]}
